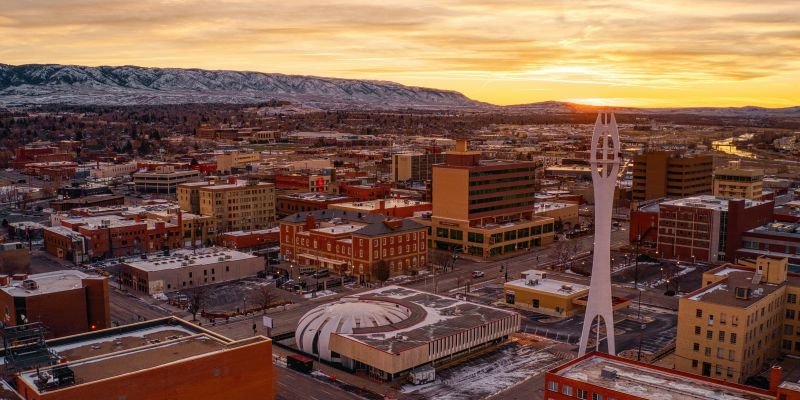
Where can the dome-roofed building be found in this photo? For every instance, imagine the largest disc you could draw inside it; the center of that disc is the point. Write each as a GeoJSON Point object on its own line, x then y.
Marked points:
{"type": "Point", "coordinates": [315, 327]}
{"type": "Point", "coordinates": [388, 331]}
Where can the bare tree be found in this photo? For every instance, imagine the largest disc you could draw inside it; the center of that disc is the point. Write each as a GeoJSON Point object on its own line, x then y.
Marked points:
{"type": "Point", "coordinates": [562, 254]}
{"type": "Point", "coordinates": [197, 298]}
{"type": "Point", "coordinates": [262, 296]}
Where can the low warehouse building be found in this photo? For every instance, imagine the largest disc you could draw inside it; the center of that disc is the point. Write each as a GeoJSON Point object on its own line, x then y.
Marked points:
{"type": "Point", "coordinates": [388, 331]}
{"type": "Point", "coordinates": [185, 269]}
{"type": "Point", "coordinates": [536, 292]}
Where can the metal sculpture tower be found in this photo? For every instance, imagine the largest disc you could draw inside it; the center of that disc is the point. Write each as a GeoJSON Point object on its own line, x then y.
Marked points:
{"type": "Point", "coordinates": [604, 161]}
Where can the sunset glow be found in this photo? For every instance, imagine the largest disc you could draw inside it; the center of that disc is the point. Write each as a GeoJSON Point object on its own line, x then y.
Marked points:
{"type": "Point", "coordinates": [666, 53]}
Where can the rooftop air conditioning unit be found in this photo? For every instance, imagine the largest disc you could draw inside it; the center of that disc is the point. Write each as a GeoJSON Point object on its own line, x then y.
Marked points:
{"type": "Point", "coordinates": [30, 284]}
{"type": "Point", "coordinates": [533, 282]}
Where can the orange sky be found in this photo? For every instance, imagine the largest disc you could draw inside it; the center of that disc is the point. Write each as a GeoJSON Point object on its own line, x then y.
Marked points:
{"type": "Point", "coordinates": [637, 53]}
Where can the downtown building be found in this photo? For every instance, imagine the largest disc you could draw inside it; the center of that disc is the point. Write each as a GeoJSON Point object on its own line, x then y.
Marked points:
{"type": "Point", "coordinates": [232, 206]}
{"type": "Point", "coordinates": [485, 207]}
{"type": "Point", "coordinates": [165, 358]}
{"type": "Point", "coordinates": [663, 174]}
{"type": "Point", "coordinates": [600, 376]}
{"type": "Point", "coordinates": [704, 228]}
{"type": "Point", "coordinates": [739, 321]}
{"type": "Point", "coordinates": [353, 243]}
{"type": "Point", "coordinates": [739, 183]}
{"type": "Point", "coordinates": [416, 167]}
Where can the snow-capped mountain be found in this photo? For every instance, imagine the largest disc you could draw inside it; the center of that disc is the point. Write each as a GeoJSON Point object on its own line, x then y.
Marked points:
{"type": "Point", "coordinates": [130, 85]}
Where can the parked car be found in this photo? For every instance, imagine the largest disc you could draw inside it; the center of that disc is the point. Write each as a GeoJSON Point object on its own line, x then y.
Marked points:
{"type": "Point", "coordinates": [477, 274]}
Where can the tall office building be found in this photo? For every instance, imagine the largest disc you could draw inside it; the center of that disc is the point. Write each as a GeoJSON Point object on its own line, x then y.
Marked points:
{"type": "Point", "coordinates": [485, 207]}
{"type": "Point", "coordinates": [414, 166]}
{"type": "Point", "coordinates": [738, 183]}
{"type": "Point", "coordinates": [662, 174]}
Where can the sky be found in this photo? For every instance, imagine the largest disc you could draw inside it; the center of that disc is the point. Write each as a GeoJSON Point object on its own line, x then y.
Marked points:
{"type": "Point", "coordinates": [665, 53]}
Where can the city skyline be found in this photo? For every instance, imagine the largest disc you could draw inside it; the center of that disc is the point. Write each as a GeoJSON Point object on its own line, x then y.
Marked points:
{"type": "Point", "coordinates": [670, 54]}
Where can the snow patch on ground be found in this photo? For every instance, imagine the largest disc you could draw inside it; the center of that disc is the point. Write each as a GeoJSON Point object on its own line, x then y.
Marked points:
{"type": "Point", "coordinates": [486, 376]}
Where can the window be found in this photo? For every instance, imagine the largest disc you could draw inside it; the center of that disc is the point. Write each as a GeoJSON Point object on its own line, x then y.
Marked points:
{"type": "Point", "coordinates": [596, 396]}
{"type": "Point", "coordinates": [730, 372]}
{"type": "Point", "coordinates": [791, 298]}
{"type": "Point", "coordinates": [696, 330]}
{"type": "Point", "coordinates": [709, 334]}
{"type": "Point", "coordinates": [733, 338]}
{"type": "Point", "coordinates": [581, 394]}
{"type": "Point", "coordinates": [722, 336]}
{"type": "Point", "coordinates": [698, 313]}
{"type": "Point", "coordinates": [566, 390]}
{"type": "Point", "coordinates": [720, 353]}
{"type": "Point", "coordinates": [788, 329]}
{"type": "Point", "coordinates": [708, 352]}
{"type": "Point", "coordinates": [552, 386]}
{"type": "Point", "coordinates": [789, 314]}
{"type": "Point", "coordinates": [535, 303]}
{"type": "Point", "coordinates": [694, 363]}
{"type": "Point", "coordinates": [731, 355]}
{"type": "Point", "coordinates": [227, 269]}
{"type": "Point", "coordinates": [696, 347]}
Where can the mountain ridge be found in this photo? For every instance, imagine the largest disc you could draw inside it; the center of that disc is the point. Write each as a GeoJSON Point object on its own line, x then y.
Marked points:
{"type": "Point", "coordinates": [133, 85]}
{"type": "Point", "coordinates": [45, 84]}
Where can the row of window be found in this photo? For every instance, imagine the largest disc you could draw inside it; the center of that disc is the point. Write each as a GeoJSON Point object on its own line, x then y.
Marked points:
{"type": "Point", "coordinates": [579, 393]}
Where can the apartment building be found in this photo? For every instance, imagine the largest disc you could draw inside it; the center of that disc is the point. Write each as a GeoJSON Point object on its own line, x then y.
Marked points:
{"type": "Point", "coordinates": [238, 205]}
{"type": "Point", "coordinates": [777, 239]}
{"type": "Point", "coordinates": [669, 174]}
{"type": "Point", "coordinates": [485, 207]}
{"type": "Point", "coordinates": [740, 320]}
{"type": "Point", "coordinates": [739, 183]}
{"type": "Point", "coordinates": [706, 228]}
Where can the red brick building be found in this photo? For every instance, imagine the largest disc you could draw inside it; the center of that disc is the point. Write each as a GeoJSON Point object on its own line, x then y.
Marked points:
{"type": "Point", "coordinates": [599, 376]}
{"type": "Point", "coordinates": [287, 204]}
{"type": "Point", "coordinates": [257, 239]}
{"type": "Point", "coordinates": [354, 244]}
{"type": "Point", "coordinates": [67, 302]}
{"type": "Point", "coordinates": [166, 358]}
{"type": "Point", "coordinates": [111, 236]}
{"type": "Point", "coordinates": [366, 192]}
{"type": "Point", "coordinates": [706, 228]}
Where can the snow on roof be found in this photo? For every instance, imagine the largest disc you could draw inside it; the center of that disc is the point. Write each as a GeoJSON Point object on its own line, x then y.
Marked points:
{"type": "Point", "coordinates": [548, 285]}
{"type": "Point", "coordinates": [643, 381]}
{"type": "Point", "coordinates": [179, 257]}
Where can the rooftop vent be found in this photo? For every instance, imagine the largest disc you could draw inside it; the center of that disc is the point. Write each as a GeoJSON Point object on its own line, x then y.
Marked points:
{"type": "Point", "coordinates": [608, 373]}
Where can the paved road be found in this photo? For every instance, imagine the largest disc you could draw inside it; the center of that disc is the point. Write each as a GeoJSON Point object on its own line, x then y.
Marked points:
{"type": "Point", "coordinates": [533, 259]}
{"type": "Point", "coordinates": [293, 385]}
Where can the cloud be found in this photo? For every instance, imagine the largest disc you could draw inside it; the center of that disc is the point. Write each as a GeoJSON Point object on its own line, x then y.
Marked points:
{"type": "Point", "coordinates": [729, 46]}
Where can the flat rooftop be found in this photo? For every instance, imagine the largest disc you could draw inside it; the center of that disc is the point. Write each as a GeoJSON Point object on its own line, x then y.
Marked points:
{"type": "Point", "coordinates": [648, 382]}
{"type": "Point", "coordinates": [373, 205]}
{"type": "Point", "coordinates": [49, 282]}
{"type": "Point", "coordinates": [200, 257]}
{"type": "Point", "coordinates": [117, 351]}
{"type": "Point", "coordinates": [432, 317]}
{"type": "Point", "coordinates": [708, 201]}
{"type": "Point", "coordinates": [313, 197]}
{"type": "Point", "coordinates": [254, 232]}
{"type": "Point", "coordinates": [548, 285]}
{"type": "Point", "coordinates": [724, 291]}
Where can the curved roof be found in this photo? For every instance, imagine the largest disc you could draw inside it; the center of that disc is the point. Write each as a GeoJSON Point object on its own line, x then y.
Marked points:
{"type": "Point", "coordinates": [315, 327]}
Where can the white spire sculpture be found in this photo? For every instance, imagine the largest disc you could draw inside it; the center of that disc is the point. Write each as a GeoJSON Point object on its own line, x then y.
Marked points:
{"type": "Point", "coordinates": [604, 161]}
